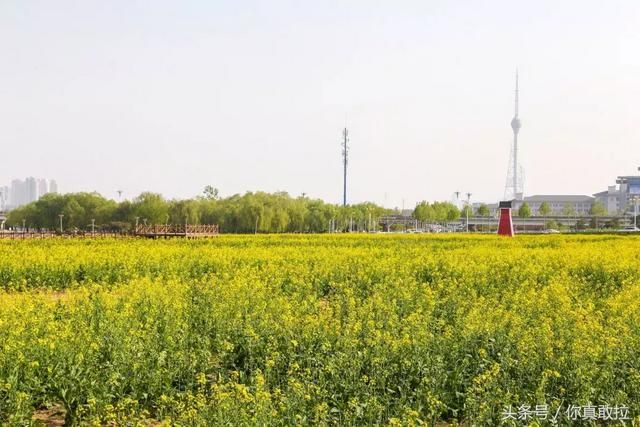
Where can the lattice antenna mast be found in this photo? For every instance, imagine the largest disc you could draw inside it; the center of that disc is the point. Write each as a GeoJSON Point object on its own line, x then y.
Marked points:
{"type": "Point", "coordinates": [345, 160]}
{"type": "Point", "coordinates": [513, 187]}
{"type": "Point", "coordinates": [517, 93]}
{"type": "Point", "coordinates": [515, 125]}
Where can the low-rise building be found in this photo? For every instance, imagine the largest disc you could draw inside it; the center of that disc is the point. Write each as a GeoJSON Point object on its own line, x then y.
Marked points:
{"type": "Point", "coordinates": [611, 199]}
{"type": "Point", "coordinates": [620, 199]}
{"type": "Point", "coordinates": [559, 205]}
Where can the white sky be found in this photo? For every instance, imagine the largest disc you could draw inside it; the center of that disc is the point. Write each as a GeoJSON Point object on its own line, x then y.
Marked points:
{"type": "Point", "coordinates": [170, 96]}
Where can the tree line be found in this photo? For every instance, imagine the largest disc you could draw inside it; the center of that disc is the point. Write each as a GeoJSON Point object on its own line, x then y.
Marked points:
{"type": "Point", "coordinates": [596, 209]}
{"type": "Point", "coordinates": [446, 211]}
{"type": "Point", "coordinates": [252, 212]}
{"type": "Point", "coordinates": [248, 213]}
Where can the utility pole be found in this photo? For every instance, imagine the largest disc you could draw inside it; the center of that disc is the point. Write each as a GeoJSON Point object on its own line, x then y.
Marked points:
{"type": "Point", "coordinates": [345, 159]}
{"type": "Point", "coordinates": [119, 195]}
{"type": "Point", "coordinates": [61, 216]}
{"type": "Point", "coordinates": [93, 227]}
{"type": "Point", "coordinates": [468, 209]}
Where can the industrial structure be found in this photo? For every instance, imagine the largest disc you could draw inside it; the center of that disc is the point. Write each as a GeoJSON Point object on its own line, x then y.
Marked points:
{"type": "Point", "coordinates": [514, 186]}
{"type": "Point", "coordinates": [345, 157]}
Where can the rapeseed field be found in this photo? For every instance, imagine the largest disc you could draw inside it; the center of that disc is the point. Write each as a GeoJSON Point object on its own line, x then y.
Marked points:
{"type": "Point", "coordinates": [318, 329]}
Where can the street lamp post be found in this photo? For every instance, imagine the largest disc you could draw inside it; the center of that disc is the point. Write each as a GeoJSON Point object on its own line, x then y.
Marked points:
{"type": "Point", "coordinates": [635, 213]}
{"type": "Point", "coordinates": [61, 216]}
{"type": "Point", "coordinates": [468, 209]}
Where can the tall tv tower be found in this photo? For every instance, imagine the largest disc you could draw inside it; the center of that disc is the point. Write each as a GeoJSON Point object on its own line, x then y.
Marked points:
{"type": "Point", "coordinates": [345, 155]}
{"type": "Point", "coordinates": [514, 187]}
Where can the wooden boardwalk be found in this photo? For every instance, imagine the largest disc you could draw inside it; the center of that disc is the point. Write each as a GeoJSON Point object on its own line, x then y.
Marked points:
{"type": "Point", "coordinates": [46, 234]}
{"type": "Point", "coordinates": [170, 230]}
{"type": "Point", "coordinates": [148, 231]}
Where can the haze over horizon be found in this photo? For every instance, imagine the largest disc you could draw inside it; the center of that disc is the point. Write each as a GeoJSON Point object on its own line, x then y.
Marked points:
{"type": "Point", "coordinates": [170, 97]}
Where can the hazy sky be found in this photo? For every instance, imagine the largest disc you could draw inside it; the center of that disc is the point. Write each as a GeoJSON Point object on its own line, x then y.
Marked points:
{"type": "Point", "coordinates": [170, 96]}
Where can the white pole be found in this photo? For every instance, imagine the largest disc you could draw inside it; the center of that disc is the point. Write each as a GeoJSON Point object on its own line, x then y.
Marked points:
{"type": "Point", "coordinates": [468, 208]}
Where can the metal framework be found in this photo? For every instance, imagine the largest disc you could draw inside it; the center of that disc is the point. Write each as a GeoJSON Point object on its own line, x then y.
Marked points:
{"type": "Point", "coordinates": [514, 186]}
{"type": "Point", "coordinates": [345, 158]}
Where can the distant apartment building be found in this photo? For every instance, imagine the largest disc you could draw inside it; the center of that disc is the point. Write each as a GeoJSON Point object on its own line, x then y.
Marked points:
{"type": "Point", "coordinates": [43, 188]}
{"type": "Point", "coordinates": [18, 193]}
{"type": "Point", "coordinates": [21, 192]}
{"type": "Point", "coordinates": [32, 189]}
{"type": "Point", "coordinates": [4, 198]}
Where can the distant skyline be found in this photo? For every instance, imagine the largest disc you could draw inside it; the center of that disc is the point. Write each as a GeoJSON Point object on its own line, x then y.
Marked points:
{"type": "Point", "coordinates": [24, 191]}
{"type": "Point", "coordinates": [245, 96]}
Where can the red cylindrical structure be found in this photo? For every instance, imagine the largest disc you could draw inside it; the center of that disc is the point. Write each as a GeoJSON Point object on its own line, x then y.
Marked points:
{"type": "Point", "coordinates": [505, 227]}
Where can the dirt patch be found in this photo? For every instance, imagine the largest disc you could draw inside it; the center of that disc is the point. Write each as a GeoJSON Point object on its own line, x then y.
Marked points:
{"type": "Point", "coordinates": [50, 417]}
